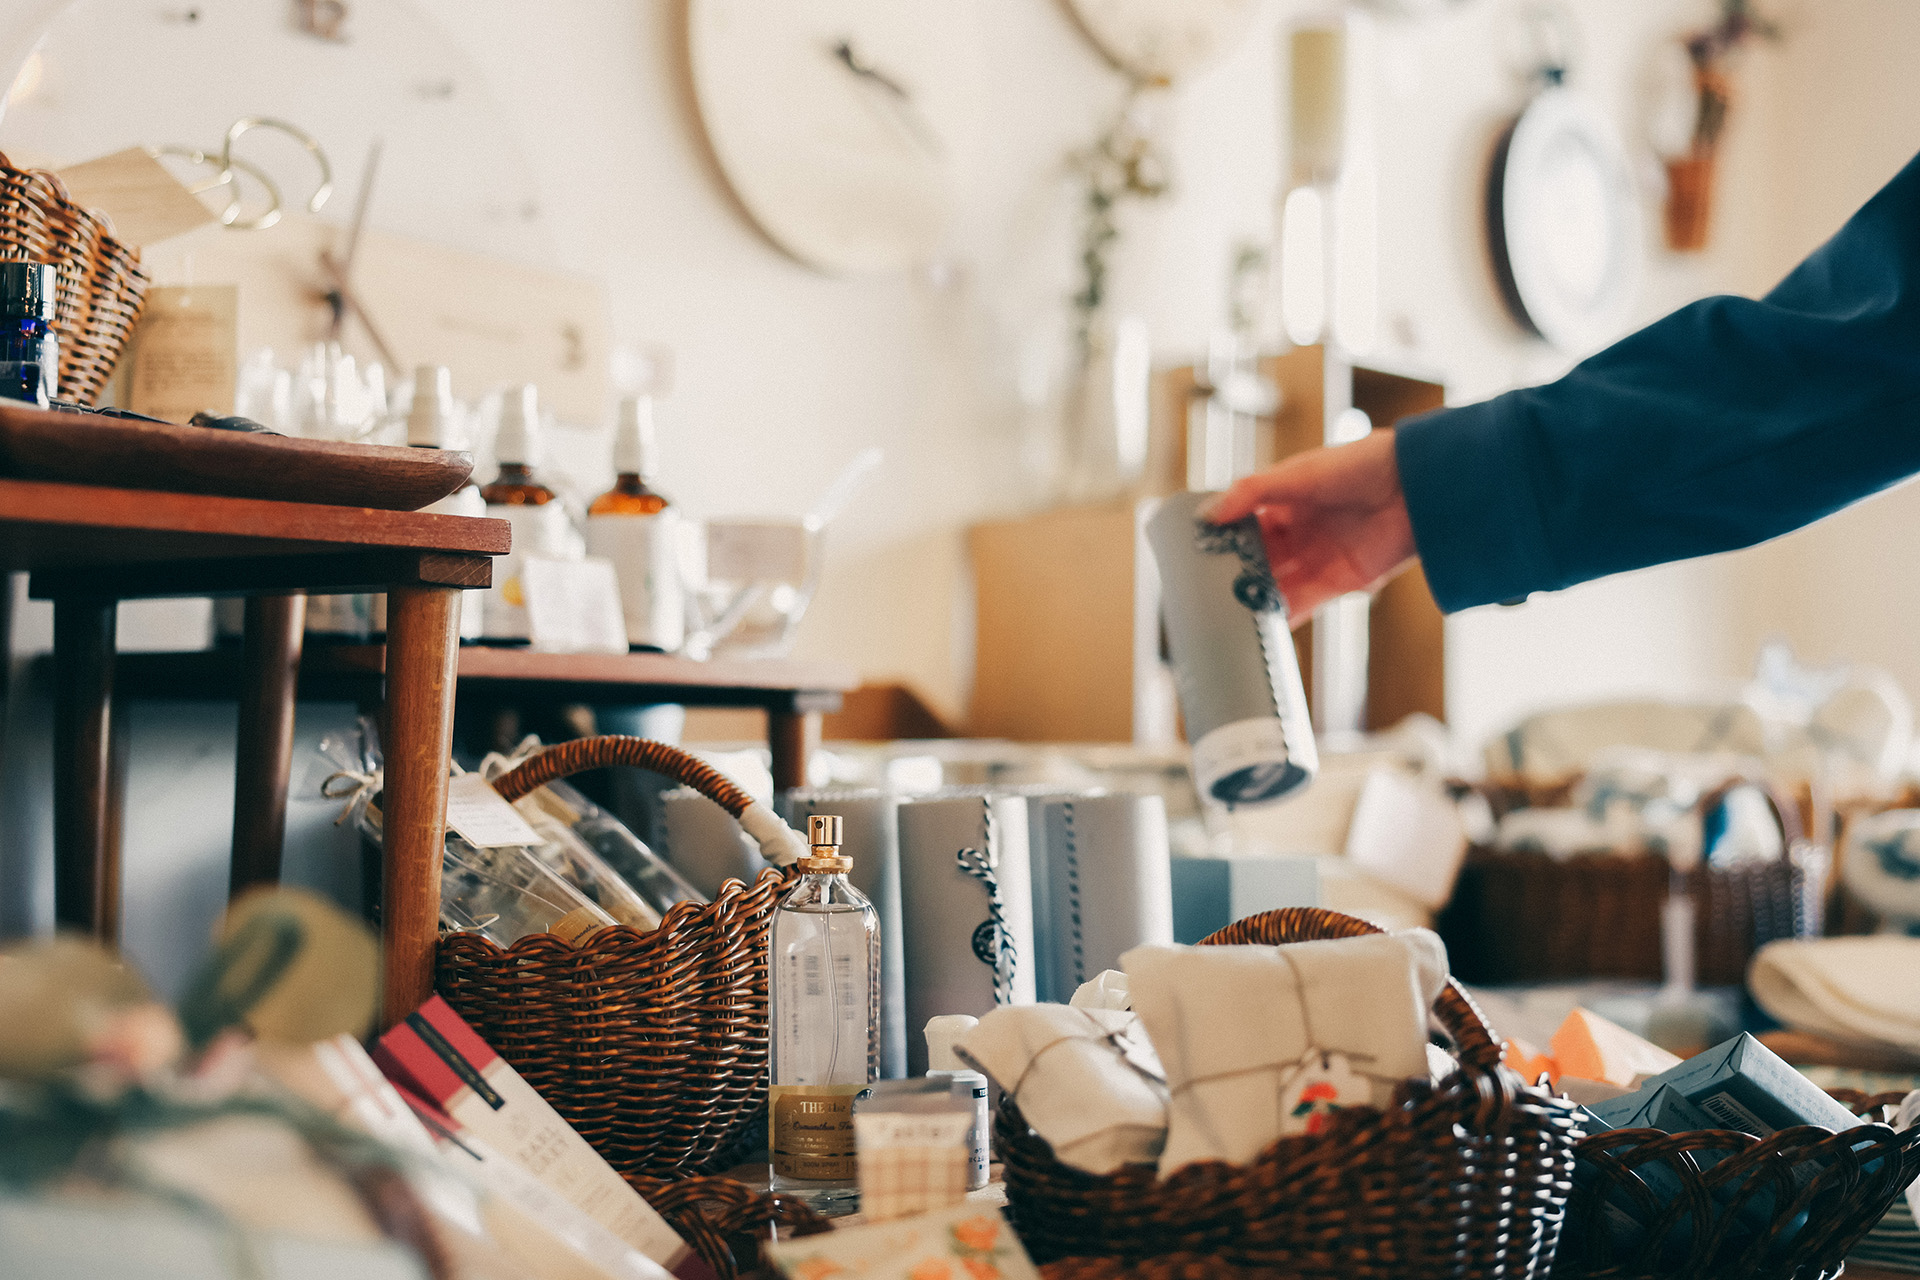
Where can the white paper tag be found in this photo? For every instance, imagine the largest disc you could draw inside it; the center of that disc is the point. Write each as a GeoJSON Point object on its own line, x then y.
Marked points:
{"type": "Point", "coordinates": [482, 817]}
{"type": "Point", "coordinates": [573, 606]}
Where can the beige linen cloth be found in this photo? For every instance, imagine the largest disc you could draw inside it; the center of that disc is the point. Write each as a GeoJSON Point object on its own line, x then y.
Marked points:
{"type": "Point", "coordinates": [1857, 989]}
{"type": "Point", "coordinates": [1242, 1030]}
{"type": "Point", "coordinates": [1086, 1080]}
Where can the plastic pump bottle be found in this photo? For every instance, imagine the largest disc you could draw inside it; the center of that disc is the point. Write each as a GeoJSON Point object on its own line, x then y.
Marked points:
{"type": "Point", "coordinates": [944, 1064]}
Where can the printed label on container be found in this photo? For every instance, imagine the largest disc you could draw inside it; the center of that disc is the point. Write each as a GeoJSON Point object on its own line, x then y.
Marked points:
{"type": "Point", "coordinates": [811, 1131]}
{"type": "Point", "coordinates": [1246, 762]}
{"type": "Point", "coordinates": [644, 554]}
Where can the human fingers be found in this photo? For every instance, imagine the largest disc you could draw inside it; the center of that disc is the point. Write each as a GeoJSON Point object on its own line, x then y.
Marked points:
{"type": "Point", "coordinates": [1249, 493]}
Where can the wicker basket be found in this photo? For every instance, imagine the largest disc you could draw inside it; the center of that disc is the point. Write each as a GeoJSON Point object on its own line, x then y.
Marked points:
{"type": "Point", "coordinates": [1526, 916]}
{"type": "Point", "coordinates": [1469, 1177]}
{"type": "Point", "coordinates": [653, 1045]}
{"type": "Point", "coordinates": [102, 286]}
{"type": "Point", "coordinates": [1741, 1218]}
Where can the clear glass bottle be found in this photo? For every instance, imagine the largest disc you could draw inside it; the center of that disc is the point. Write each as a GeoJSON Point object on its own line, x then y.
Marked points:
{"type": "Point", "coordinates": [634, 526]}
{"type": "Point", "coordinates": [29, 350]}
{"type": "Point", "coordinates": [540, 524]}
{"type": "Point", "coordinates": [823, 1020]}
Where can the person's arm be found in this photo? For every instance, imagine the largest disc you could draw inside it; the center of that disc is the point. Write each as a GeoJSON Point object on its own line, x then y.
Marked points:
{"type": "Point", "coordinates": [1726, 423]}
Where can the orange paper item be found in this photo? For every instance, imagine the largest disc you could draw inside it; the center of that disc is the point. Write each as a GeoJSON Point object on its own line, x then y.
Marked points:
{"type": "Point", "coordinates": [1592, 1048]}
{"type": "Point", "coordinates": [1529, 1062]}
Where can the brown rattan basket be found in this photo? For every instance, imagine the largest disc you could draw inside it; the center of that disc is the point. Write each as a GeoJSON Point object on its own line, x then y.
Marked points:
{"type": "Point", "coordinates": [1519, 915]}
{"type": "Point", "coordinates": [653, 1045]}
{"type": "Point", "coordinates": [1735, 1207]}
{"type": "Point", "coordinates": [1468, 1177]}
{"type": "Point", "coordinates": [102, 286]}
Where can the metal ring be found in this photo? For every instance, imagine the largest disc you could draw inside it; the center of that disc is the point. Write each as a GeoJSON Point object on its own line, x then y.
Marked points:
{"type": "Point", "coordinates": [320, 193]}
{"type": "Point", "coordinates": [224, 177]}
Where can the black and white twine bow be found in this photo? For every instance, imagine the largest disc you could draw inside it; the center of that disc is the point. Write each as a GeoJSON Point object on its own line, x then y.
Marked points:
{"type": "Point", "coordinates": [993, 940]}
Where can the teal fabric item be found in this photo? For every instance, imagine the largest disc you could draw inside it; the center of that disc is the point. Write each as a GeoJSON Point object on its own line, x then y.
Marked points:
{"type": "Point", "coordinates": [1730, 421]}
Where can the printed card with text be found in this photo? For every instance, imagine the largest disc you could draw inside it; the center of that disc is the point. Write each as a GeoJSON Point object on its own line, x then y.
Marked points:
{"type": "Point", "coordinates": [966, 1242]}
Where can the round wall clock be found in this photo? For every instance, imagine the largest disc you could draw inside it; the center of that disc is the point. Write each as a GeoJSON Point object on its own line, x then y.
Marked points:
{"type": "Point", "coordinates": [1564, 223]}
{"type": "Point", "coordinates": [833, 121]}
{"type": "Point", "coordinates": [1160, 41]}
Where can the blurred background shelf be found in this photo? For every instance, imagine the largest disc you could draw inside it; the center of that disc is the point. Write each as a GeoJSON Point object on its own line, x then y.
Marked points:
{"type": "Point", "coordinates": [793, 695]}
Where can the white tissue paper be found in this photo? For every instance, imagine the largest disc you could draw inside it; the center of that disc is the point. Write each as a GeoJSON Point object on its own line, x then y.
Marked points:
{"type": "Point", "coordinates": [1087, 1080]}
{"type": "Point", "coordinates": [966, 919]}
{"type": "Point", "coordinates": [1105, 990]}
{"type": "Point", "coordinates": [1339, 1023]}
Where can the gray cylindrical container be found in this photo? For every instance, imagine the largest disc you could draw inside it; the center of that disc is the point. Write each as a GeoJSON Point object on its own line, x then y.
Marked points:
{"type": "Point", "coordinates": [1233, 659]}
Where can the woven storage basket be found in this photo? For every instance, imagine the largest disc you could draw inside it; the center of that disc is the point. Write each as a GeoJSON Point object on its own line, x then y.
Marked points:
{"type": "Point", "coordinates": [1526, 916]}
{"type": "Point", "coordinates": [1809, 1195]}
{"type": "Point", "coordinates": [1465, 1178]}
{"type": "Point", "coordinates": [102, 286]}
{"type": "Point", "coordinates": [653, 1045]}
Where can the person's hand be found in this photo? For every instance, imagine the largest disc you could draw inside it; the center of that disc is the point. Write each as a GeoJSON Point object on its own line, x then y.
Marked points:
{"type": "Point", "coordinates": [1334, 519]}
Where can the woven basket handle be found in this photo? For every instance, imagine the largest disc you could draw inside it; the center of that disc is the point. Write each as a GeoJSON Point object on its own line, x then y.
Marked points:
{"type": "Point", "coordinates": [1478, 1045]}
{"type": "Point", "coordinates": [779, 843]}
{"type": "Point", "coordinates": [1785, 812]}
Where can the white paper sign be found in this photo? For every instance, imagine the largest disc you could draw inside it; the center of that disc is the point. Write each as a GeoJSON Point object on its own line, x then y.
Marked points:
{"type": "Point", "coordinates": [1408, 834]}
{"type": "Point", "coordinates": [573, 606]}
{"type": "Point", "coordinates": [482, 817]}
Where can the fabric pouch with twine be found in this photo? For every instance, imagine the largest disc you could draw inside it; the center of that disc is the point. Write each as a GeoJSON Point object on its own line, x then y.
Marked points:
{"type": "Point", "coordinates": [1087, 1080]}
{"type": "Point", "coordinates": [1261, 1042]}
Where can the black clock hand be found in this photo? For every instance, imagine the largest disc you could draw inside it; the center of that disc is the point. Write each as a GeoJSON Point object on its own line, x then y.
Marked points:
{"type": "Point", "coordinates": [901, 99]}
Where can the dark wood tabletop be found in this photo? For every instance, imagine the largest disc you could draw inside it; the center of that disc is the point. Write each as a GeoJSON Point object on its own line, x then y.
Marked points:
{"type": "Point", "coordinates": [132, 544]}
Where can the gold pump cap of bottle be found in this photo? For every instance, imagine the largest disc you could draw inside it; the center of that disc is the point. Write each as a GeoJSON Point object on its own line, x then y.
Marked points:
{"type": "Point", "coordinates": [824, 858]}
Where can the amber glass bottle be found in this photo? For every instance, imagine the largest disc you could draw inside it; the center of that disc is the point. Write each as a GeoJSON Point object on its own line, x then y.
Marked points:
{"type": "Point", "coordinates": [634, 526]}
{"type": "Point", "coordinates": [539, 520]}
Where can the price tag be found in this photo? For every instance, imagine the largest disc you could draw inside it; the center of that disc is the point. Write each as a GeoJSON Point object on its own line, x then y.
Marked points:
{"type": "Point", "coordinates": [482, 817]}
{"type": "Point", "coordinates": [573, 606]}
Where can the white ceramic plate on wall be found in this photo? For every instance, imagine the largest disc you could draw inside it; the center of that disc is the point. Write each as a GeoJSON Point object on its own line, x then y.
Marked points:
{"type": "Point", "coordinates": [1564, 222]}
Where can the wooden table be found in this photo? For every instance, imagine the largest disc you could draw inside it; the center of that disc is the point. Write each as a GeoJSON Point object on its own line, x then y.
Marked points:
{"type": "Point", "coordinates": [88, 548]}
{"type": "Point", "coordinates": [793, 694]}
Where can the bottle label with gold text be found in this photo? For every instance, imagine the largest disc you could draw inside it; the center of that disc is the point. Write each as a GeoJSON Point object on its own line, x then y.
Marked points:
{"type": "Point", "coordinates": [811, 1131]}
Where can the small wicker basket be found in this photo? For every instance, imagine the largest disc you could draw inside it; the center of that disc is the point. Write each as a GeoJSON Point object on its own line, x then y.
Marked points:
{"type": "Point", "coordinates": [653, 1045]}
{"type": "Point", "coordinates": [1520, 915]}
{"type": "Point", "coordinates": [102, 286]}
{"type": "Point", "coordinates": [1733, 1206]}
{"type": "Point", "coordinates": [1468, 1177]}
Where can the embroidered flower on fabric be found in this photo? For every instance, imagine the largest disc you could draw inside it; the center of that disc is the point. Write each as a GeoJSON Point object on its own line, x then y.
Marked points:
{"type": "Point", "coordinates": [1319, 1085]}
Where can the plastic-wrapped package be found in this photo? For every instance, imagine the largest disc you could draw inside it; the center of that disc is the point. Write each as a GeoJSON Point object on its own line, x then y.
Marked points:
{"type": "Point", "coordinates": [587, 871]}
{"type": "Point", "coordinates": [582, 838]}
{"type": "Point", "coordinates": [508, 893]}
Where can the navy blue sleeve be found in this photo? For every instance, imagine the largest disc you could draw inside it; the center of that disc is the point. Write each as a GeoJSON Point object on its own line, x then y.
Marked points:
{"type": "Point", "coordinates": [1726, 423]}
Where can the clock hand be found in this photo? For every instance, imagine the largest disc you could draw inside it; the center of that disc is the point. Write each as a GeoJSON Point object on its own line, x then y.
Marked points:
{"type": "Point", "coordinates": [899, 99]}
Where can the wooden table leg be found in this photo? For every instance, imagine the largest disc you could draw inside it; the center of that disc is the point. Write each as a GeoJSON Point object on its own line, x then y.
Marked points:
{"type": "Point", "coordinates": [86, 851]}
{"type": "Point", "coordinates": [423, 649]}
{"type": "Point", "coordinates": [263, 745]}
{"type": "Point", "coordinates": [791, 736]}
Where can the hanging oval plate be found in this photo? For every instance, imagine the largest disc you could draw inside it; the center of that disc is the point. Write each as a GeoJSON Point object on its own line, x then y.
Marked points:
{"type": "Point", "coordinates": [1564, 223]}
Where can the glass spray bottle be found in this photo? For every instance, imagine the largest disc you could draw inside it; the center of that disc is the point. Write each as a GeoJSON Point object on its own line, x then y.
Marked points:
{"type": "Point", "coordinates": [823, 1020]}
